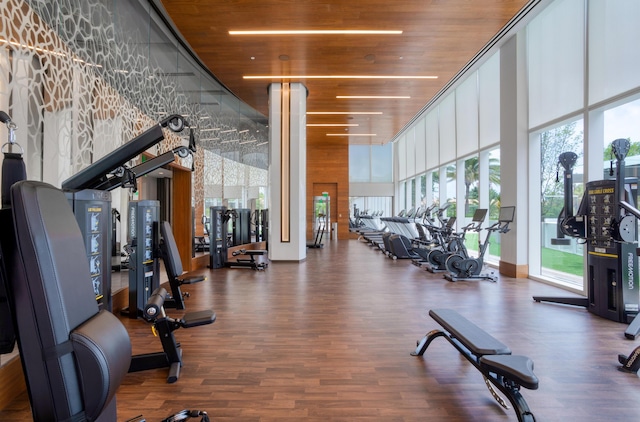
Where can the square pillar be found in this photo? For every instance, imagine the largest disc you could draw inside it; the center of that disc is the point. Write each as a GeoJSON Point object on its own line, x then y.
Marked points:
{"type": "Point", "coordinates": [287, 171]}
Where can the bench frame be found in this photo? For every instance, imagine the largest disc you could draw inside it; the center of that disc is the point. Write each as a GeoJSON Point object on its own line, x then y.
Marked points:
{"type": "Point", "coordinates": [248, 262]}
{"type": "Point", "coordinates": [509, 387]}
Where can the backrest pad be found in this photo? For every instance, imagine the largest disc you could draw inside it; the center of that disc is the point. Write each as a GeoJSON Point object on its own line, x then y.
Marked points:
{"type": "Point", "coordinates": [51, 285]}
{"type": "Point", "coordinates": [170, 253]}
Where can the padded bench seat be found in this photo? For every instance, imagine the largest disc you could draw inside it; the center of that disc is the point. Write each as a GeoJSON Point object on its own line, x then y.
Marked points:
{"type": "Point", "coordinates": [489, 355]}
{"type": "Point", "coordinates": [516, 368]}
{"type": "Point", "coordinates": [478, 341]}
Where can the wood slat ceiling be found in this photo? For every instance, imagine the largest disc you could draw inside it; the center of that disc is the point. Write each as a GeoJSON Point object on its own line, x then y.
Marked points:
{"type": "Point", "coordinates": [439, 37]}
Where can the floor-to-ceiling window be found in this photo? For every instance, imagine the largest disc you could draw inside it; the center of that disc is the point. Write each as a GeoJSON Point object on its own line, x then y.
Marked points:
{"type": "Point", "coordinates": [555, 64]}
{"type": "Point", "coordinates": [371, 166]}
{"type": "Point", "coordinates": [493, 253]}
{"type": "Point", "coordinates": [449, 192]}
{"type": "Point", "coordinates": [561, 257]}
{"type": "Point", "coordinates": [582, 90]}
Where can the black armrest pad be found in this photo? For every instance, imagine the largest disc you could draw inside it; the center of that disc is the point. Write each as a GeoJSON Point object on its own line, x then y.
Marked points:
{"type": "Point", "coordinates": [193, 319]}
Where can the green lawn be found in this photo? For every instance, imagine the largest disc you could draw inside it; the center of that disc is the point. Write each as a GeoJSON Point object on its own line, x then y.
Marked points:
{"type": "Point", "coordinates": [562, 261]}
{"type": "Point", "coordinates": [471, 241]}
{"type": "Point", "coordinates": [553, 259]}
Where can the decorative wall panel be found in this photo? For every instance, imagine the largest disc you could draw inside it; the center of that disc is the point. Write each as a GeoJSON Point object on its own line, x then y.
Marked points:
{"type": "Point", "coordinates": [81, 77]}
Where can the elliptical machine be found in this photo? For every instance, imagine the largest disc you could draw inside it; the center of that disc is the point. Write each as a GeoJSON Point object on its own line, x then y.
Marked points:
{"type": "Point", "coordinates": [463, 267]}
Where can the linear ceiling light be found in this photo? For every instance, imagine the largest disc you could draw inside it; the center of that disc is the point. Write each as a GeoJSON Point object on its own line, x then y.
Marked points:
{"type": "Point", "coordinates": [228, 130]}
{"type": "Point", "coordinates": [374, 97]}
{"type": "Point", "coordinates": [339, 77]}
{"type": "Point", "coordinates": [344, 112]}
{"type": "Point", "coordinates": [351, 134]}
{"type": "Point", "coordinates": [332, 124]}
{"type": "Point", "coordinates": [318, 32]}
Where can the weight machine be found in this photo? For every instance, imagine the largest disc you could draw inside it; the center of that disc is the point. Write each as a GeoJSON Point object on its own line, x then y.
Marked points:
{"type": "Point", "coordinates": [607, 223]}
{"type": "Point", "coordinates": [261, 221]}
{"type": "Point", "coordinates": [218, 243]}
{"type": "Point", "coordinates": [89, 195]}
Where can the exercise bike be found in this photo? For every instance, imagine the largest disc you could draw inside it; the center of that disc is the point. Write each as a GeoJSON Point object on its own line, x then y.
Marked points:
{"type": "Point", "coordinates": [461, 266]}
{"type": "Point", "coordinates": [453, 244]}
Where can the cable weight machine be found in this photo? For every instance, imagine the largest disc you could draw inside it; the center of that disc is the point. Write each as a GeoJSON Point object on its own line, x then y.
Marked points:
{"type": "Point", "coordinates": [607, 225]}
{"type": "Point", "coordinates": [89, 194]}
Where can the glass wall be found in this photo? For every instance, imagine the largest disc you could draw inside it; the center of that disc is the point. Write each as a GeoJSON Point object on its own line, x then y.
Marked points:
{"type": "Point", "coordinates": [450, 193]}
{"type": "Point", "coordinates": [464, 123]}
{"type": "Point", "coordinates": [557, 110]}
{"type": "Point", "coordinates": [435, 186]}
{"type": "Point", "coordinates": [105, 71]}
{"type": "Point", "coordinates": [359, 163]}
{"type": "Point", "coordinates": [371, 205]}
{"type": "Point", "coordinates": [371, 163]}
{"type": "Point", "coordinates": [471, 180]}
{"type": "Point", "coordinates": [580, 59]}
{"type": "Point", "coordinates": [560, 260]}
{"type": "Point", "coordinates": [493, 199]}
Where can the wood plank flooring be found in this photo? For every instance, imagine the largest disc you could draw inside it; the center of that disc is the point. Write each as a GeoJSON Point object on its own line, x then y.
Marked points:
{"type": "Point", "coordinates": [329, 340]}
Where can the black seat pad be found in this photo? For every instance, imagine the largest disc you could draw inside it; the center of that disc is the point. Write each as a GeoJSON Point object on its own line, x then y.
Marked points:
{"type": "Point", "coordinates": [513, 367]}
{"type": "Point", "coordinates": [478, 341]}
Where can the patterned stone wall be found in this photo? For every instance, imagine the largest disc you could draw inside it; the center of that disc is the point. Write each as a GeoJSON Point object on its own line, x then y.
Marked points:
{"type": "Point", "coordinates": [81, 77]}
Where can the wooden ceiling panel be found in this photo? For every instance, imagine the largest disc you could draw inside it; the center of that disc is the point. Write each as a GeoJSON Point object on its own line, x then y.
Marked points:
{"type": "Point", "coordinates": [439, 37]}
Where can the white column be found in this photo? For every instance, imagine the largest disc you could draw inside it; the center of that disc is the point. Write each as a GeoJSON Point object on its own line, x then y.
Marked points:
{"type": "Point", "coordinates": [429, 197]}
{"type": "Point", "coordinates": [514, 155]}
{"type": "Point", "coordinates": [443, 185]}
{"type": "Point", "coordinates": [287, 171]}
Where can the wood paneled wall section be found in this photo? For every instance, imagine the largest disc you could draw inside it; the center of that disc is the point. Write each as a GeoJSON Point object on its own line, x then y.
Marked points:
{"type": "Point", "coordinates": [328, 162]}
{"type": "Point", "coordinates": [12, 382]}
{"type": "Point", "coordinates": [182, 217]}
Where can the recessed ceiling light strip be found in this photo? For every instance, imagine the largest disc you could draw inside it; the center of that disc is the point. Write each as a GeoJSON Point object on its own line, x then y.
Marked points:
{"type": "Point", "coordinates": [318, 32]}
{"type": "Point", "coordinates": [373, 97]}
{"type": "Point", "coordinates": [332, 124]}
{"type": "Point", "coordinates": [339, 77]}
{"type": "Point", "coordinates": [351, 134]}
{"type": "Point", "coordinates": [344, 112]}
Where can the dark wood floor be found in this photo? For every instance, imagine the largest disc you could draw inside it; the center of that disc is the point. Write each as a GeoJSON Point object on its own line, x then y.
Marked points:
{"type": "Point", "coordinates": [329, 339]}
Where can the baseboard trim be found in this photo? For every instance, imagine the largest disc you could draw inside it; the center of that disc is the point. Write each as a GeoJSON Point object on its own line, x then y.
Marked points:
{"type": "Point", "coordinates": [512, 270]}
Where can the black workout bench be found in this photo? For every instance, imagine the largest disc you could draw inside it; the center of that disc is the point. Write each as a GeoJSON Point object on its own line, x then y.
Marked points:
{"type": "Point", "coordinates": [490, 356]}
{"type": "Point", "coordinates": [248, 262]}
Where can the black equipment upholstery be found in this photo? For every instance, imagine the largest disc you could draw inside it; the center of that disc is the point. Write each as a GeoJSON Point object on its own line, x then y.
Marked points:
{"type": "Point", "coordinates": [73, 355]}
{"type": "Point", "coordinates": [13, 170]}
{"type": "Point", "coordinates": [173, 265]}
